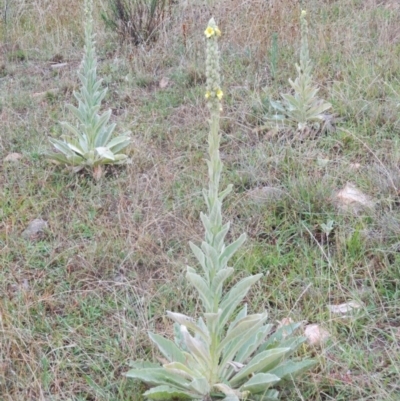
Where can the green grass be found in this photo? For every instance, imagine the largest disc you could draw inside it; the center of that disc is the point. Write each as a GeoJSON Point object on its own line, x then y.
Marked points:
{"type": "Point", "coordinates": [76, 302]}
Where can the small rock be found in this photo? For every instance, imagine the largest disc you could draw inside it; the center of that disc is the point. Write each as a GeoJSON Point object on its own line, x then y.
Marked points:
{"type": "Point", "coordinates": [355, 166]}
{"type": "Point", "coordinates": [315, 334]}
{"type": "Point", "coordinates": [57, 66]}
{"type": "Point", "coordinates": [13, 157]}
{"type": "Point", "coordinates": [343, 309]}
{"type": "Point", "coordinates": [34, 229]}
{"type": "Point", "coordinates": [164, 82]}
{"type": "Point", "coordinates": [352, 198]}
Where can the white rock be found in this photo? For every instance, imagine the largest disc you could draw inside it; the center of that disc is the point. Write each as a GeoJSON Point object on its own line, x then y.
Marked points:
{"type": "Point", "coordinates": [315, 334]}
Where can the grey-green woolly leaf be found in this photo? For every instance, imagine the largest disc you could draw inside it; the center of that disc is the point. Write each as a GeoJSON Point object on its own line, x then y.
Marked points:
{"type": "Point", "coordinates": [250, 339]}
{"type": "Point", "coordinates": [212, 320]}
{"type": "Point", "coordinates": [99, 128]}
{"type": "Point", "coordinates": [250, 346]}
{"type": "Point", "coordinates": [278, 118]}
{"type": "Point", "coordinates": [228, 391]}
{"type": "Point", "coordinates": [290, 369]}
{"type": "Point", "coordinates": [281, 333]}
{"type": "Point", "coordinates": [231, 397]}
{"type": "Point", "coordinates": [292, 342]}
{"type": "Point", "coordinates": [200, 385]}
{"type": "Point", "coordinates": [143, 364]}
{"type": "Point", "coordinates": [121, 158]}
{"type": "Point", "coordinates": [206, 222]}
{"type": "Point", "coordinates": [292, 101]}
{"type": "Point", "coordinates": [241, 314]}
{"type": "Point", "coordinates": [295, 85]}
{"type": "Point", "coordinates": [222, 195]}
{"type": "Point", "coordinates": [277, 106]}
{"type": "Point", "coordinates": [81, 138]}
{"type": "Point", "coordinates": [76, 112]}
{"type": "Point", "coordinates": [310, 93]}
{"type": "Point", "coordinates": [197, 349]}
{"type": "Point", "coordinates": [115, 143]}
{"type": "Point", "coordinates": [232, 248]}
{"type": "Point", "coordinates": [220, 236]}
{"type": "Point", "coordinates": [158, 376]}
{"type": "Point", "coordinates": [319, 109]}
{"type": "Point", "coordinates": [211, 256]}
{"type": "Point", "coordinates": [206, 199]}
{"type": "Point", "coordinates": [189, 323]}
{"type": "Point", "coordinates": [235, 296]}
{"type": "Point", "coordinates": [202, 326]}
{"type": "Point", "coordinates": [219, 279]}
{"type": "Point", "coordinates": [250, 323]}
{"type": "Point", "coordinates": [199, 256]}
{"type": "Point", "coordinates": [269, 395]}
{"type": "Point", "coordinates": [168, 393]}
{"type": "Point", "coordinates": [216, 214]}
{"type": "Point", "coordinates": [121, 146]}
{"type": "Point", "coordinates": [62, 147]}
{"type": "Point", "coordinates": [102, 131]}
{"type": "Point", "coordinates": [167, 348]}
{"type": "Point", "coordinates": [105, 153]}
{"type": "Point", "coordinates": [181, 369]}
{"type": "Point", "coordinates": [262, 362]}
{"type": "Point", "coordinates": [59, 158]}
{"type": "Point", "coordinates": [178, 338]}
{"type": "Point", "coordinates": [118, 159]}
{"type": "Point", "coordinates": [77, 150]}
{"type": "Point", "coordinates": [206, 296]}
{"type": "Point", "coordinates": [260, 382]}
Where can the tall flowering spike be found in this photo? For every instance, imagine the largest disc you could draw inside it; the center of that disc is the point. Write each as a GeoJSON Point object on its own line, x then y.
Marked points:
{"type": "Point", "coordinates": [304, 53]}
{"type": "Point", "coordinates": [215, 230]}
{"type": "Point", "coordinates": [214, 96]}
{"type": "Point", "coordinates": [214, 93]}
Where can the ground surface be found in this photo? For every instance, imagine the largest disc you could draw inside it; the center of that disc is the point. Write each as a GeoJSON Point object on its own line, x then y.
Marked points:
{"type": "Point", "coordinates": [76, 301]}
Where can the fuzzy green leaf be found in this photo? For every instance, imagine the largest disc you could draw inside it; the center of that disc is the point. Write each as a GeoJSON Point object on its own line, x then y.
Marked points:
{"type": "Point", "coordinates": [252, 343]}
{"type": "Point", "coordinates": [158, 376]}
{"type": "Point", "coordinates": [62, 147]}
{"type": "Point", "coordinates": [143, 364]}
{"type": "Point", "coordinates": [235, 295]}
{"type": "Point", "coordinates": [105, 153]}
{"type": "Point", "coordinates": [250, 323]}
{"type": "Point", "coordinates": [290, 369]}
{"type": "Point", "coordinates": [260, 382]}
{"type": "Point", "coordinates": [283, 332]}
{"type": "Point", "coordinates": [167, 348]}
{"type": "Point", "coordinates": [220, 278]}
{"type": "Point", "coordinates": [118, 143]}
{"type": "Point", "coordinates": [212, 320]}
{"type": "Point", "coordinates": [263, 361]}
{"type": "Point", "coordinates": [231, 249]}
{"type": "Point", "coordinates": [189, 323]}
{"type": "Point", "coordinates": [200, 385]}
{"type": "Point", "coordinates": [199, 256]}
{"type": "Point", "coordinates": [197, 348]}
{"type": "Point", "coordinates": [206, 296]}
{"type": "Point", "coordinates": [168, 393]}
{"type": "Point", "coordinates": [182, 370]}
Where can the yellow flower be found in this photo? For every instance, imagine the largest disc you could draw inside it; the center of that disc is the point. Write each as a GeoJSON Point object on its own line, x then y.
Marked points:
{"type": "Point", "coordinates": [220, 94]}
{"type": "Point", "coordinates": [209, 32]}
{"type": "Point", "coordinates": [207, 95]}
{"type": "Point", "coordinates": [303, 13]}
{"type": "Point", "coordinates": [217, 31]}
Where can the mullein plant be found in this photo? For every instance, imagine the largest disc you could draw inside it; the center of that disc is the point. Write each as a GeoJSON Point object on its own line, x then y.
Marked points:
{"type": "Point", "coordinates": [224, 354]}
{"type": "Point", "coordinates": [302, 110]}
{"type": "Point", "coordinates": [91, 143]}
